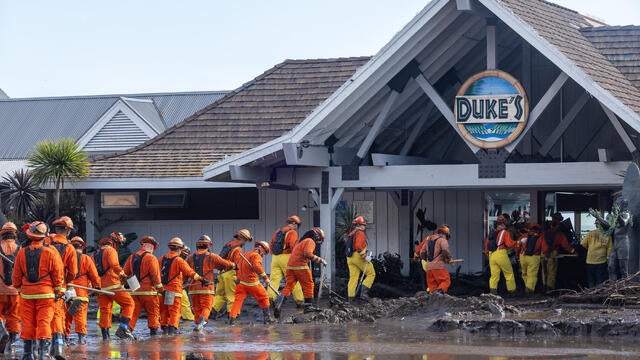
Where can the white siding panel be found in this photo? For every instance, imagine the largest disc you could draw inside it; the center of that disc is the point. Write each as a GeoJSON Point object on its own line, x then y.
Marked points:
{"type": "Point", "coordinates": [120, 132]}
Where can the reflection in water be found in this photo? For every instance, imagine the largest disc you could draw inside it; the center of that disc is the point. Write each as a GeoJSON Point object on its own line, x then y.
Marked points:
{"type": "Point", "coordinates": [382, 340]}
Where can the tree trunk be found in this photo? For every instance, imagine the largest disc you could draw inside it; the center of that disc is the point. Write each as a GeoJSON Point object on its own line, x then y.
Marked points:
{"type": "Point", "coordinates": [57, 198]}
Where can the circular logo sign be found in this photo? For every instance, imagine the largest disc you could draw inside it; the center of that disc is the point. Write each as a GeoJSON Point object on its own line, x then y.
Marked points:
{"type": "Point", "coordinates": [491, 109]}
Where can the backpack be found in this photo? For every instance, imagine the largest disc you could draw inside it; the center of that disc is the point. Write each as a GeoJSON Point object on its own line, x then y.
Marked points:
{"type": "Point", "coordinates": [531, 245]}
{"type": "Point", "coordinates": [431, 244]}
{"type": "Point", "coordinates": [278, 242]}
{"type": "Point", "coordinates": [8, 266]}
{"type": "Point", "coordinates": [164, 271]}
{"type": "Point", "coordinates": [349, 243]}
{"type": "Point", "coordinates": [136, 262]}
{"type": "Point", "coordinates": [226, 249]}
{"type": "Point", "coordinates": [97, 259]}
{"type": "Point", "coordinates": [493, 240]}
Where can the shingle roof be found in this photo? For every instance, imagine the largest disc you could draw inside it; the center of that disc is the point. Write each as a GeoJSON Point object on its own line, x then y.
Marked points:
{"type": "Point", "coordinates": [619, 44]}
{"type": "Point", "coordinates": [52, 118]}
{"type": "Point", "coordinates": [561, 27]}
{"type": "Point", "coordinates": [259, 111]}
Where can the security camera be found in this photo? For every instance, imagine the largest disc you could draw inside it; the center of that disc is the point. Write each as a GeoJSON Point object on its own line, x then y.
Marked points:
{"type": "Point", "coordinates": [310, 191]}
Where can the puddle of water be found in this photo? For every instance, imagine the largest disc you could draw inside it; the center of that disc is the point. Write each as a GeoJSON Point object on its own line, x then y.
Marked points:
{"type": "Point", "coordinates": [382, 340]}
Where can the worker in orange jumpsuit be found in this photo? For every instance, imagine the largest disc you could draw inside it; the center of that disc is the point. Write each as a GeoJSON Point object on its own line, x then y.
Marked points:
{"type": "Point", "coordinates": [437, 254]}
{"type": "Point", "coordinates": [249, 271]}
{"type": "Point", "coordinates": [9, 299]}
{"type": "Point", "coordinates": [60, 240]}
{"type": "Point", "coordinates": [172, 270]}
{"type": "Point", "coordinates": [204, 262]}
{"type": "Point", "coordinates": [495, 247]}
{"type": "Point", "coordinates": [87, 276]}
{"type": "Point", "coordinates": [359, 260]}
{"type": "Point", "coordinates": [146, 268]}
{"type": "Point", "coordinates": [38, 275]}
{"type": "Point", "coordinates": [111, 278]}
{"type": "Point", "coordinates": [282, 243]}
{"type": "Point", "coordinates": [225, 291]}
{"type": "Point", "coordinates": [529, 248]}
{"type": "Point", "coordinates": [554, 240]}
{"type": "Point", "coordinates": [298, 270]}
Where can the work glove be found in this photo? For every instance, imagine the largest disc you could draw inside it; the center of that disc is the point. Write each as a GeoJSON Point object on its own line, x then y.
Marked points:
{"type": "Point", "coordinates": [368, 257]}
{"type": "Point", "coordinates": [58, 294]}
{"type": "Point", "coordinates": [235, 266]}
{"type": "Point", "coordinates": [205, 282]}
{"type": "Point", "coordinates": [267, 282]}
{"type": "Point", "coordinates": [320, 260]}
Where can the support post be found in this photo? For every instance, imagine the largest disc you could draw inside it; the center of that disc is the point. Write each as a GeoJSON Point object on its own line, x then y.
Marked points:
{"type": "Point", "coordinates": [404, 231]}
{"type": "Point", "coordinates": [329, 198]}
{"type": "Point", "coordinates": [90, 218]}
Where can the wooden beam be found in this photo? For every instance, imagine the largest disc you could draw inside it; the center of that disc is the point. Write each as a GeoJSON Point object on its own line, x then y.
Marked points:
{"type": "Point", "coordinates": [418, 128]}
{"type": "Point", "coordinates": [540, 107]}
{"type": "Point", "coordinates": [445, 110]}
{"type": "Point", "coordinates": [335, 198]}
{"type": "Point", "coordinates": [377, 125]}
{"type": "Point", "coordinates": [249, 174]}
{"type": "Point", "coordinates": [564, 124]}
{"type": "Point", "coordinates": [572, 175]}
{"type": "Point", "coordinates": [391, 159]}
{"type": "Point", "coordinates": [619, 129]}
{"type": "Point", "coordinates": [491, 47]}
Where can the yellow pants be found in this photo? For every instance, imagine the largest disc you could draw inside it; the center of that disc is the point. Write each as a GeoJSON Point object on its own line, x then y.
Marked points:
{"type": "Point", "coordinates": [278, 271]}
{"type": "Point", "coordinates": [225, 290]}
{"type": "Point", "coordinates": [499, 262]}
{"type": "Point", "coordinates": [530, 264]}
{"type": "Point", "coordinates": [551, 265]}
{"type": "Point", "coordinates": [356, 267]}
{"type": "Point", "coordinates": [185, 311]}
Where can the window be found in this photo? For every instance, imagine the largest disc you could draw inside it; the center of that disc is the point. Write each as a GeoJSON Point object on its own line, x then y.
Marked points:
{"type": "Point", "coordinates": [120, 200]}
{"type": "Point", "coordinates": [166, 199]}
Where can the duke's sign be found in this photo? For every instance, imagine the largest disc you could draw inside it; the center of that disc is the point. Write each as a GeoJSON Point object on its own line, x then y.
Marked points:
{"type": "Point", "coordinates": [491, 109]}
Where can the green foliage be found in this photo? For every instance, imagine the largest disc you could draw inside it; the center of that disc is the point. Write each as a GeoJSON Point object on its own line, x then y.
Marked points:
{"type": "Point", "coordinates": [343, 228]}
{"type": "Point", "coordinates": [55, 161]}
{"type": "Point", "coordinates": [23, 196]}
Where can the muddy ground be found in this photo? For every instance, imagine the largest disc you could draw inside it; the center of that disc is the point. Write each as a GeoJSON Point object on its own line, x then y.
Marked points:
{"type": "Point", "coordinates": [486, 314]}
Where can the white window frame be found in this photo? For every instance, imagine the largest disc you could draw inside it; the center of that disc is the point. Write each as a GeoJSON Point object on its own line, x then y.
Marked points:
{"type": "Point", "coordinates": [136, 194]}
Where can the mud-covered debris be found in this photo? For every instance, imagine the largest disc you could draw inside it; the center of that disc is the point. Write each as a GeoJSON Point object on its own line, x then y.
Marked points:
{"type": "Point", "coordinates": [616, 293]}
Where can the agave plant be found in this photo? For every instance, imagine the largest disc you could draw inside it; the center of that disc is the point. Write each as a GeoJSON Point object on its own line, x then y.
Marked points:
{"type": "Point", "coordinates": [23, 196]}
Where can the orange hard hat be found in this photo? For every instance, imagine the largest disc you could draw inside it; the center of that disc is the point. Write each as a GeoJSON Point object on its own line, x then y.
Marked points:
{"type": "Point", "coordinates": [444, 230]}
{"type": "Point", "coordinates": [149, 240]}
{"type": "Point", "coordinates": [8, 227]}
{"type": "Point", "coordinates": [294, 219]}
{"type": "Point", "coordinates": [176, 242]}
{"type": "Point", "coordinates": [204, 239]}
{"type": "Point", "coordinates": [37, 230]}
{"type": "Point", "coordinates": [64, 222]}
{"type": "Point", "coordinates": [78, 240]}
{"type": "Point", "coordinates": [114, 239]}
{"type": "Point", "coordinates": [243, 233]}
{"type": "Point", "coordinates": [359, 220]}
{"type": "Point", "coordinates": [185, 251]}
{"type": "Point", "coordinates": [264, 245]}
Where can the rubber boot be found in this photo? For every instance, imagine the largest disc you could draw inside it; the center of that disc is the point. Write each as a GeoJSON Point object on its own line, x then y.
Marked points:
{"type": "Point", "coordinates": [57, 346]}
{"type": "Point", "coordinates": [82, 339]}
{"type": "Point", "coordinates": [364, 293]}
{"type": "Point", "coordinates": [266, 316]}
{"type": "Point", "coordinates": [165, 331]}
{"type": "Point", "coordinates": [171, 330]}
{"type": "Point", "coordinates": [200, 325]}
{"type": "Point", "coordinates": [153, 331]}
{"type": "Point", "coordinates": [278, 305]}
{"type": "Point", "coordinates": [123, 331]}
{"type": "Point", "coordinates": [27, 354]}
{"type": "Point", "coordinates": [232, 320]}
{"type": "Point", "coordinates": [494, 291]}
{"type": "Point", "coordinates": [44, 348]}
{"type": "Point", "coordinates": [351, 300]}
{"type": "Point", "coordinates": [10, 348]}
{"type": "Point", "coordinates": [308, 305]}
{"type": "Point", "coordinates": [105, 334]}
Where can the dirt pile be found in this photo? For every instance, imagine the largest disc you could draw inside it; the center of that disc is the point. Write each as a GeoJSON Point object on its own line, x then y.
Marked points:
{"type": "Point", "coordinates": [486, 314]}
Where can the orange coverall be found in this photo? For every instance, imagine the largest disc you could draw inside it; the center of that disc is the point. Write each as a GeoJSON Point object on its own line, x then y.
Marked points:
{"type": "Point", "coordinates": [70, 261]}
{"type": "Point", "coordinates": [37, 297]}
{"type": "Point", "coordinates": [438, 277]}
{"type": "Point", "coordinates": [110, 280]}
{"type": "Point", "coordinates": [298, 268]}
{"type": "Point", "coordinates": [9, 299]}
{"type": "Point", "coordinates": [147, 296]}
{"type": "Point", "coordinates": [248, 282]}
{"type": "Point", "coordinates": [204, 262]}
{"type": "Point", "coordinates": [170, 314]}
{"type": "Point", "coordinates": [87, 275]}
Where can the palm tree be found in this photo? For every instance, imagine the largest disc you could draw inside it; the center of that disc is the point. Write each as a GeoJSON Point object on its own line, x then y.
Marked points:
{"type": "Point", "coordinates": [23, 194]}
{"type": "Point", "coordinates": [55, 161]}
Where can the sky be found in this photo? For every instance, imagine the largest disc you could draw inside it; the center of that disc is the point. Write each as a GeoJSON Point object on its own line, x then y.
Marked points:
{"type": "Point", "coordinates": [79, 47]}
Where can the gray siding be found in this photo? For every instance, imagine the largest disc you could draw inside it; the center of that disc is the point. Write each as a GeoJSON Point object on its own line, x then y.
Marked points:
{"type": "Point", "coordinates": [120, 133]}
